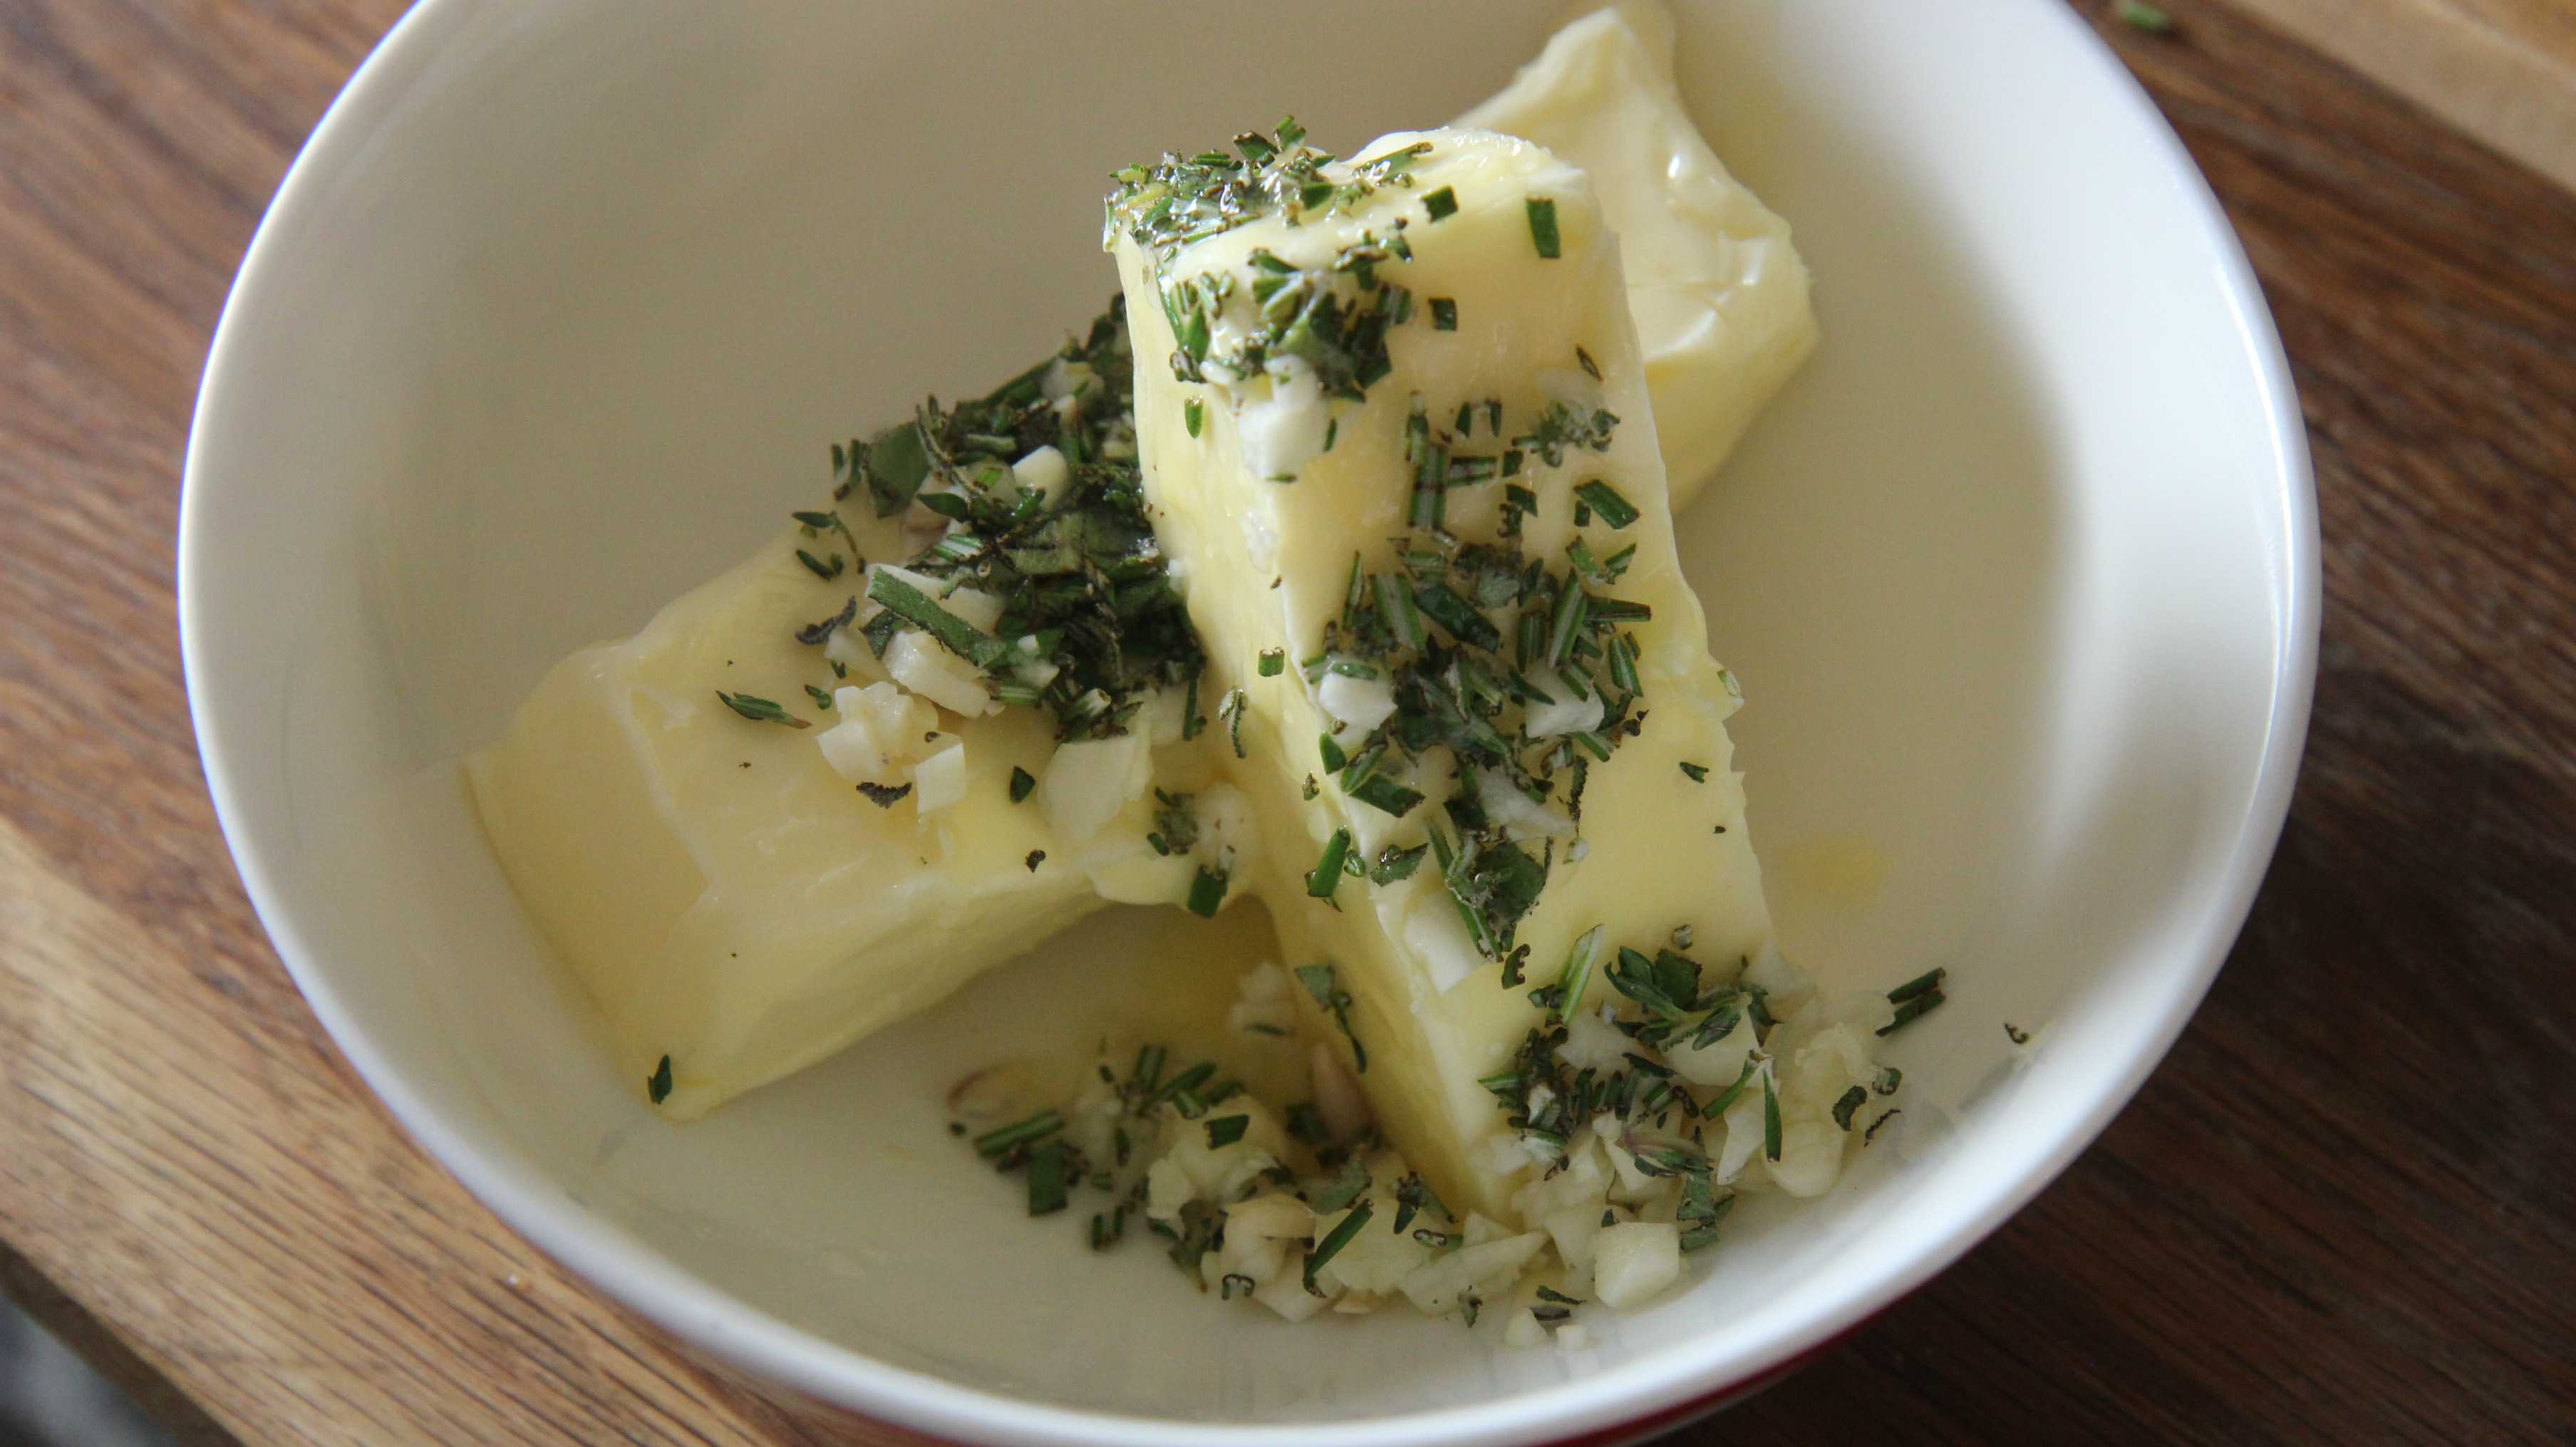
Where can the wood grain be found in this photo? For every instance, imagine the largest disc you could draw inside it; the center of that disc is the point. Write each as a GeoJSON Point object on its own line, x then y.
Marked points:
{"type": "Point", "coordinates": [2501, 70]}
{"type": "Point", "coordinates": [2341, 1212]}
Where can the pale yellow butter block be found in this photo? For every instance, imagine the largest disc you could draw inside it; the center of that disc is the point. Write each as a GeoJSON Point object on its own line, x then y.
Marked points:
{"type": "Point", "coordinates": [1718, 291]}
{"type": "Point", "coordinates": [1271, 562]}
{"type": "Point", "coordinates": [725, 897]}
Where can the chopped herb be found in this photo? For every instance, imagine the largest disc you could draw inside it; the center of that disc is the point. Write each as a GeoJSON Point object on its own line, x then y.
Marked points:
{"type": "Point", "coordinates": [1324, 985]}
{"type": "Point", "coordinates": [821, 699]}
{"type": "Point", "coordinates": [1559, 1297]}
{"type": "Point", "coordinates": [1235, 1284]}
{"type": "Point", "coordinates": [1038, 1127]}
{"type": "Point", "coordinates": [1036, 858]}
{"type": "Point", "coordinates": [1327, 874]}
{"type": "Point", "coordinates": [1442, 204]}
{"type": "Point", "coordinates": [1192, 413]}
{"type": "Point", "coordinates": [884, 795]}
{"type": "Point", "coordinates": [1698, 772]}
{"type": "Point", "coordinates": [657, 1086]}
{"type": "Point", "coordinates": [954, 633]}
{"type": "Point", "coordinates": [2139, 15]}
{"type": "Point", "coordinates": [2015, 1034]}
{"type": "Point", "coordinates": [1888, 1080]}
{"type": "Point", "coordinates": [760, 710]}
{"type": "Point", "coordinates": [820, 569]}
{"type": "Point", "coordinates": [1230, 709]}
{"type": "Point", "coordinates": [1444, 317]}
{"type": "Point", "coordinates": [1852, 1100]}
{"type": "Point", "coordinates": [1590, 367]}
{"type": "Point", "coordinates": [1274, 661]}
{"type": "Point", "coordinates": [1395, 864]}
{"type": "Point", "coordinates": [1614, 509]}
{"type": "Point", "coordinates": [1331, 1246]}
{"type": "Point", "coordinates": [1913, 1010]}
{"type": "Point", "coordinates": [1920, 985]}
{"type": "Point", "coordinates": [813, 634]}
{"type": "Point", "coordinates": [1871, 1134]}
{"type": "Point", "coordinates": [1770, 1119]}
{"type": "Point", "coordinates": [1576, 977]}
{"type": "Point", "coordinates": [1225, 1130]}
{"type": "Point", "coordinates": [1207, 892]}
{"type": "Point", "coordinates": [1542, 225]}
{"type": "Point", "coordinates": [1727, 1096]}
{"type": "Point", "coordinates": [1346, 1186]}
{"type": "Point", "coordinates": [1046, 1178]}
{"type": "Point", "coordinates": [1022, 783]}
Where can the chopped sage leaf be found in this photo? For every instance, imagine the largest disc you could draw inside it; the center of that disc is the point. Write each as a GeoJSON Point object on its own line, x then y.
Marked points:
{"type": "Point", "coordinates": [760, 710]}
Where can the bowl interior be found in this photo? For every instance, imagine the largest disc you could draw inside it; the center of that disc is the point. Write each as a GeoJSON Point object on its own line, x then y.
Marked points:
{"type": "Point", "coordinates": [557, 317]}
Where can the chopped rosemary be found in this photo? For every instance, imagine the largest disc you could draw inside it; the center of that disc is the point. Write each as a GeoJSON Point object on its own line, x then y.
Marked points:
{"type": "Point", "coordinates": [1542, 225]}
{"type": "Point", "coordinates": [760, 710]}
{"type": "Point", "coordinates": [1770, 1119]}
{"type": "Point", "coordinates": [1023, 783]}
{"type": "Point", "coordinates": [1331, 1246]}
{"type": "Point", "coordinates": [1698, 772]}
{"type": "Point", "coordinates": [1025, 1132]}
{"type": "Point", "coordinates": [1614, 509]}
{"type": "Point", "coordinates": [1884, 1117]}
{"type": "Point", "coordinates": [1914, 999]}
{"type": "Point", "coordinates": [1036, 858]}
{"type": "Point", "coordinates": [819, 568]}
{"type": "Point", "coordinates": [1225, 1130]}
{"type": "Point", "coordinates": [1192, 413]}
{"type": "Point", "coordinates": [657, 1086]}
{"type": "Point", "coordinates": [1851, 1100]}
{"type": "Point", "coordinates": [1326, 876]}
{"type": "Point", "coordinates": [1444, 318]}
{"type": "Point", "coordinates": [1324, 985]}
{"type": "Point", "coordinates": [1576, 977]}
{"type": "Point", "coordinates": [1442, 204]}
{"type": "Point", "coordinates": [1207, 892]}
{"type": "Point", "coordinates": [1274, 661]}
{"type": "Point", "coordinates": [1230, 709]}
{"type": "Point", "coordinates": [1046, 1178]}
{"type": "Point", "coordinates": [821, 699]}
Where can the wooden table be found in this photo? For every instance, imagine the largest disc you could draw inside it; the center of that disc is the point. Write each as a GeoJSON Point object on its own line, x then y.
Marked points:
{"type": "Point", "coordinates": [2344, 1210]}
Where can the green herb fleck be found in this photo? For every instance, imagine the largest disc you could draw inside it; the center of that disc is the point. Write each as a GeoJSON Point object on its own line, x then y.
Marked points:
{"type": "Point", "coordinates": [1852, 1100]}
{"type": "Point", "coordinates": [1331, 1246]}
{"type": "Point", "coordinates": [1274, 661]}
{"type": "Point", "coordinates": [1325, 987]}
{"type": "Point", "coordinates": [657, 1086]}
{"type": "Point", "coordinates": [1036, 858]}
{"type": "Point", "coordinates": [1225, 1130]}
{"type": "Point", "coordinates": [821, 699]}
{"type": "Point", "coordinates": [1038, 1127]}
{"type": "Point", "coordinates": [885, 796]}
{"type": "Point", "coordinates": [1444, 314]}
{"type": "Point", "coordinates": [1193, 412]}
{"type": "Point", "coordinates": [1442, 204]}
{"type": "Point", "coordinates": [1577, 974]}
{"type": "Point", "coordinates": [760, 710]}
{"type": "Point", "coordinates": [820, 569]}
{"type": "Point", "coordinates": [1327, 874]}
{"type": "Point", "coordinates": [1615, 510]}
{"type": "Point", "coordinates": [1770, 1119]}
{"type": "Point", "coordinates": [1698, 772]}
{"type": "Point", "coordinates": [1542, 224]}
{"type": "Point", "coordinates": [1046, 1178]}
{"type": "Point", "coordinates": [1207, 892]}
{"type": "Point", "coordinates": [1022, 784]}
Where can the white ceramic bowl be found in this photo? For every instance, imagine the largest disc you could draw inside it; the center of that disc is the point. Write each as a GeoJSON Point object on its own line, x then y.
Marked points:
{"type": "Point", "coordinates": [558, 310]}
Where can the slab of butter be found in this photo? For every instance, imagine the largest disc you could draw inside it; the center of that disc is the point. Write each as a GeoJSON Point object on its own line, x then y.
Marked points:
{"type": "Point", "coordinates": [1718, 291]}
{"type": "Point", "coordinates": [1492, 320]}
{"type": "Point", "coordinates": [727, 899]}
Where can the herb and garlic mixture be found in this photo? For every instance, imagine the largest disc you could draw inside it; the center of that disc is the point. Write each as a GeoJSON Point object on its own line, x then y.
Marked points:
{"type": "Point", "coordinates": [1648, 1117]}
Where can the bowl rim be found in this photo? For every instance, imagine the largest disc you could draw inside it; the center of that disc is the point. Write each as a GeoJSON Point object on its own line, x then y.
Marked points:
{"type": "Point", "coordinates": [1661, 1391]}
